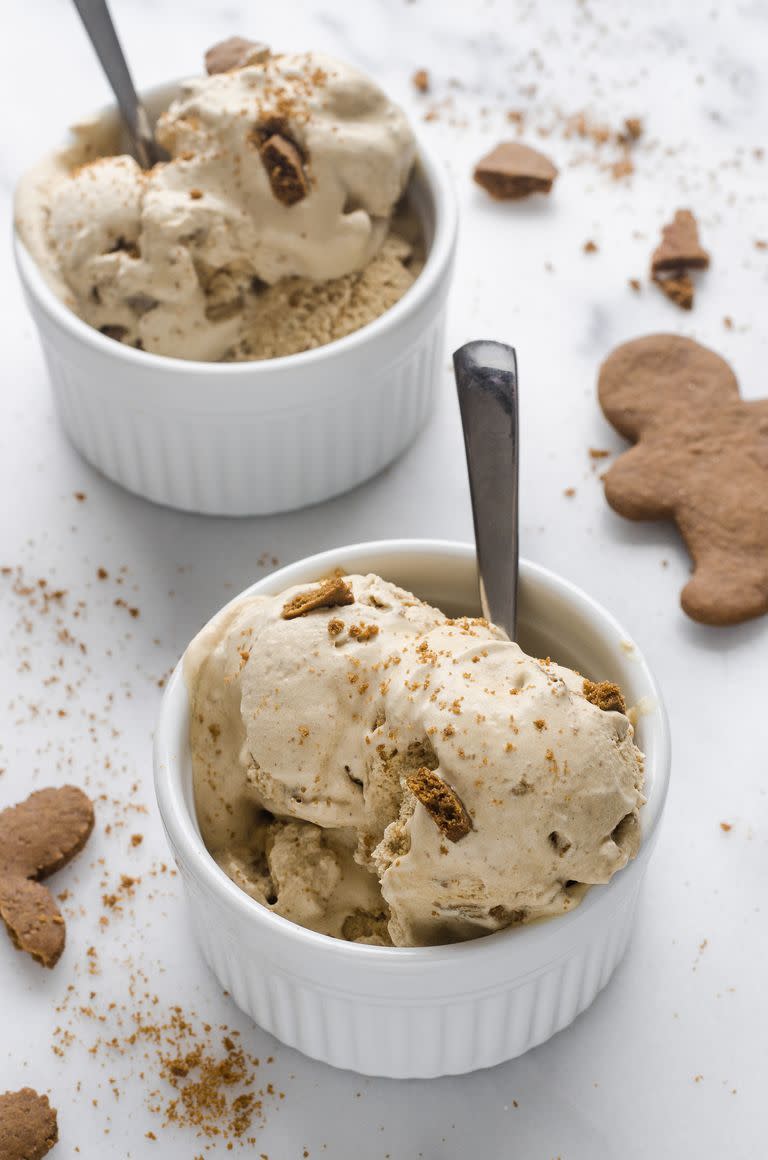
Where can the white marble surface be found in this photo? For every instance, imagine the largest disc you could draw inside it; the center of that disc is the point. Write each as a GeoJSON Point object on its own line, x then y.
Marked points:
{"type": "Point", "coordinates": [671, 1060]}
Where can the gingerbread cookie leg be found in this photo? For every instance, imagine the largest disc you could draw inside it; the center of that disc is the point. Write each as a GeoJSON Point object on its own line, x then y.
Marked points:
{"type": "Point", "coordinates": [32, 919]}
{"type": "Point", "coordinates": [727, 587]}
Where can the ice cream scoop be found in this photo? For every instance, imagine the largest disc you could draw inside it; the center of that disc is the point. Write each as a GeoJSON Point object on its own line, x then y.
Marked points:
{"type": "Point", "coordinates": [378, 771]}
{"type": "Point", "coordinates": [284, 174]}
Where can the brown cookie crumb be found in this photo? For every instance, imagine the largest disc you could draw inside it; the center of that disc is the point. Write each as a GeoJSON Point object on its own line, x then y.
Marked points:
{"type": "Point", "coordinates": [285, 169]}
{"type": "Point", "coordinates": [335, 626]}
{"type": "Point", "coordinates": [441, 802]}
{"type": "Point", "coordinates": [363, 632]}
{"type": "Point", "coordinates": [726, 827]}
{"type": "Point", "coordinates": [633, 130]}
{"type": "Point", "coordinates": [330, 594]}
{"type": "Point", "coordinates": [235, 52]}
{"type": "Point", "coordinates": [605, 695]}
{"type": "Point", "coordinates": [512, 171]}
{"type": "Point", "coordinates": [38, 837]}
{"type": "Point", "coordinates": [634, 284]}
{"type": "Point", "coordinates": [28, 1126]}
{"type": "Point", "coordinates": [678, 288]}
{"type": "Point", "coordinates": [420, 80]}
{"type": "Point", "coordinates": [680, 248]}
{"type": "Point", "coordinates": [590, 247]}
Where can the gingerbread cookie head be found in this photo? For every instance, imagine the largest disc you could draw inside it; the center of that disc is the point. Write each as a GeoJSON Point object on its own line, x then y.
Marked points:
{"type": "Point", "coordinates": [642, 379]}
{"type": "Point", "coordinates": [38, 837]}
{"type": "Point", "coordinates": [701, 458]}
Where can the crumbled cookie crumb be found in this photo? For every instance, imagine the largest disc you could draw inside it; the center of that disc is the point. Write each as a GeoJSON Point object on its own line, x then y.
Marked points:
{"type": "Point", "coordinates": [330, 594]}
{"type": "Point", "coordinates": [420, 80]}
{"type": "Point", "coordinates": [633, 130]}
{"type": "Point", "coordinates": [678, 288]}
{"type": "Point", "coordinates": [606, 695]}
{"type": "Point", "coordinates": [363, 632]}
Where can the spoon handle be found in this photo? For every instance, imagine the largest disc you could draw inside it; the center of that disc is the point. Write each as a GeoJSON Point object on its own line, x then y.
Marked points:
{"type": "Point", "coordinates": [96, 17]}
{"type": "Point", "coordinates": [486, 381]}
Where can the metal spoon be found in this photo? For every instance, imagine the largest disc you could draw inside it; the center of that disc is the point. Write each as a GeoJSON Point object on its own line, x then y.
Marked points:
{"type": "Point", "coordinates": [96, 17]}
{"type": "Point", "coordinates": [486, 381]}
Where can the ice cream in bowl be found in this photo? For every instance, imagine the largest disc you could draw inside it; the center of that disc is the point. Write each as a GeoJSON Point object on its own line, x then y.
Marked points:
{"type": "Point", "coordinates": [254, 323]}
{"type": "Point", "coordinates": [411, 846]}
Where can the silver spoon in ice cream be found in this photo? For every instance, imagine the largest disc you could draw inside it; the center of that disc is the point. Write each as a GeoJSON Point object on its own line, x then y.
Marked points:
{"type": "Point", "coordinates": [96, 17]}
{"type": "Point", "coordinates": [486, 381]}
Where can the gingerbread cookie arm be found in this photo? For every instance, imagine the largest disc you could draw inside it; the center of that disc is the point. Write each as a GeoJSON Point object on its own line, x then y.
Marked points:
{"type": "Point", "coordinates": [33, 919]}
{"type": "Point", "coordinates": [635, 489]}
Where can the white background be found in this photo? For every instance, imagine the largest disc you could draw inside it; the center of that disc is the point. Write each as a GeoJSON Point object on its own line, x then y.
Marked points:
{"type": "Point", "coordinates": [671, 1060]}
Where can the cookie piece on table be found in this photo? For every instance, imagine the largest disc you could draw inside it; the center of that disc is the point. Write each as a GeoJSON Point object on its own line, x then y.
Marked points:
{"type": "Point", "coordinates": [512, 171]}
{"type": "Point", "coordinates": [28, 1127]}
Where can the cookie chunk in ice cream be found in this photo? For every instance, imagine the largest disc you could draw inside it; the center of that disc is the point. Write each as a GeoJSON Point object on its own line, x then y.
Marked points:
{"type": "Point", "coordinates": [274, 227]}
{"type": "Point", "coordinates": [375, 770]}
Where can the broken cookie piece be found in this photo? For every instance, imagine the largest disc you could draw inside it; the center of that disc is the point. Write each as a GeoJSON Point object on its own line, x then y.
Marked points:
{"type": "Point", "coordinates": [680, 247]}
{"type": "Point", "coordinates": [606, 695]}
{"type": "Point", "coordinates": [28, 1126]}
{"type": "Point", "coordinates": [234, 52]}
{"type": "Point", "coordinates": [678, 288]}
{"type": "Point", "coordinates": [441, 802]}
{"type": "Point", "coordinates": [38, 837]}
{"type": "Point", "coordinates": [512, 171]}
{"type": "Point", "coordinates": [330, 594]}
{"type": "Point", "coordinates": [285, 169]}
{"type": "Point", "coordinates": [678, 252]}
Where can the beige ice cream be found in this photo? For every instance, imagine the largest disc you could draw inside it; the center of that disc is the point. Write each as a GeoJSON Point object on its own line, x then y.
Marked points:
{"type": "Point", "coordinates": [379, 772]}
{"type": "Point", "coordinates": [269, 231]}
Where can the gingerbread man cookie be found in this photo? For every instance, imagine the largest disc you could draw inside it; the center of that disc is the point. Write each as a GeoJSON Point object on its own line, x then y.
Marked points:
{"type": "Point", "coordinates": [37, 837]}
{"type": "Point", "coordinates": [701, 459]}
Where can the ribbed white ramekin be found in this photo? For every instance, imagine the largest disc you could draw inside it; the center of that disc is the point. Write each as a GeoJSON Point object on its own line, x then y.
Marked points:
{"type": "Point", "coordinates": [254, 438]}
{"type": "Point", "coordinates": [429, 1011]}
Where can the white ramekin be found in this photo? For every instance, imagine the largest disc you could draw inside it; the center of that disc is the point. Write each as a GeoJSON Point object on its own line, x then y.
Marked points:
{"type": "Point", "coordinates": [254, 438]}
{"type": "Point", "coordinates": [431, 1011]}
